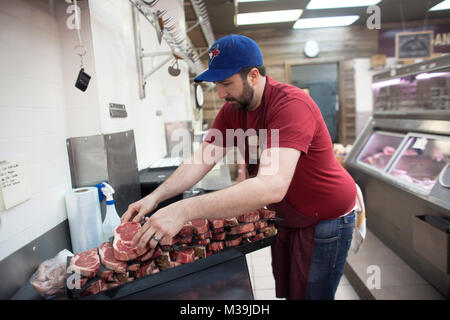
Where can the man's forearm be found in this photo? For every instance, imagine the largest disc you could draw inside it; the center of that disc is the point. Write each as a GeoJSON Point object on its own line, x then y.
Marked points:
{"type": "Point", "coordinates": [238, 199]}
{"type": "Point", "coordinates": [183, 178]}
{"type": "Point", "coordinates": [189, 172]}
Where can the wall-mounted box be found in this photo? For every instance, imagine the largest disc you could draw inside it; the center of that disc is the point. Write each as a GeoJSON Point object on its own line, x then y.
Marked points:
{"type": "Point", "coordinates": [431, 243]}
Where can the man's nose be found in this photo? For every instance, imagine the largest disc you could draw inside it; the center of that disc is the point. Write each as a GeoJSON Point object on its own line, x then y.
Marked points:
{"type": "Point", "coordinates": [221, 92]}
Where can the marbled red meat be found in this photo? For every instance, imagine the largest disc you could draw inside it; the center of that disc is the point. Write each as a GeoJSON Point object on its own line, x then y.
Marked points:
{"type": "Point", "coordinates": [86, 263]}
{"type": "Point", "coordinates": [124, 250]}
{"type": "Point", "coordinates": [108, 259]}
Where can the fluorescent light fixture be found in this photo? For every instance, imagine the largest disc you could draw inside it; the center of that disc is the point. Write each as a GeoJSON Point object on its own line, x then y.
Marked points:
{"type": "Point", "coordinates": [327, 4]}
{"type": "Point", "coordinates": [253, 0]}
{"type": "Point", "coordinates": [444, 5]}
{"type": "Point", "coordinates": [386, 83]}
{"type": "Point", "coordinates": [325, 22]}
{"type": "Point", "coordinates": [432, 75]}
{"type": "Point", "coordinates": [268, 17]}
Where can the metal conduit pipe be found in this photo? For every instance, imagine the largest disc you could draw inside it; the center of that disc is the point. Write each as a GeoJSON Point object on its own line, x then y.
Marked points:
{"type": "Point", "coordinates": [203, 18]}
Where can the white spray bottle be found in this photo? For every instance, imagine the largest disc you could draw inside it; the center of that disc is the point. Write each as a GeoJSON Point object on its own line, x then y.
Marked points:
{"type": "Point", "coordinates": [112, 219]}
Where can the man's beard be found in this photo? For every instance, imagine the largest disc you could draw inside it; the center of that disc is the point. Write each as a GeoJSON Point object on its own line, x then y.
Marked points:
{"type": "Point", "coordinates": [244, 100]}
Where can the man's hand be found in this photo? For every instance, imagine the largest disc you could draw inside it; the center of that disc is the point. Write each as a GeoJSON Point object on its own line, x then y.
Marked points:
{"type": "Point", "coordinates": [163, 224]}
{"type": "Point", "coordinates": [139, 209]}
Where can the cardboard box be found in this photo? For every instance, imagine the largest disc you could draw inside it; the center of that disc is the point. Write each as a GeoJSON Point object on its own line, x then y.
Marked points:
{"type": "Point", "coordinates": [378, 61]}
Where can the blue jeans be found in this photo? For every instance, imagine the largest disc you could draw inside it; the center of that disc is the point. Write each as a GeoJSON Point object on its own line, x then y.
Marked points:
{"type": "Point", "coordinates": [331, 244]}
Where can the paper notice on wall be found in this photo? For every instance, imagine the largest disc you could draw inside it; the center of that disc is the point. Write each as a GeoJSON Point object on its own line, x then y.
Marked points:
{"type": "Point", "coordinates": [14, 189]}
{"type": "Point", "coordinates": [175, 108]}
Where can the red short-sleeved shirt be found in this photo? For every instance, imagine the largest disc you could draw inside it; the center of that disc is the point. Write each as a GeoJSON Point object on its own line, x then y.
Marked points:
{"type": "Point", "coordinates": [320, 187]}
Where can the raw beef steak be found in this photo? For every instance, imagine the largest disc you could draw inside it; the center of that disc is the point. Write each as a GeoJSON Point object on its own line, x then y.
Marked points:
{"type": "Point", "coordinates": [86, 263]}
{"type": "Point", "coordinates": [216, 224]}
{"type": "Point", "coordinates": [108, 260]}
{"type": "Point", "coordinates": [243, 228]}
{"type": "Point", "coordinates": [200, 226]}
{"type": "Point", "coordinates": [185, 256]}
{"type": "Point", "coordinates": [249, 217]}
{"type": "Point", "coordinates": [123, 249]}
{"type": "Point", "coordinates": [266, 214]}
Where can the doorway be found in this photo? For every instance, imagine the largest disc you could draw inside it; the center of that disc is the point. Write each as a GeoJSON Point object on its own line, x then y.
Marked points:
{"type": "Point", "coordinates": [320, 82]}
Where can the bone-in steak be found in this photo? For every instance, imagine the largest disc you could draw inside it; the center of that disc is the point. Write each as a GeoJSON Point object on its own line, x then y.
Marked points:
{"type": "Point", "coordinates": [266, 214]}
{"type": "Point", "coordinates": [108, 260]}
{"type": "Point", "coordinates": [123, 249]}
{"type": "Point", "coordinates": [86, 263]}
{"type": "Point", "coordinates": [249, 217]}
{"type": "Point", "coordinates": [243, 228]}
{"type": "Point", "coordinates": [200, 226]}
{"type": "Point", "coordinates": [186, 256]}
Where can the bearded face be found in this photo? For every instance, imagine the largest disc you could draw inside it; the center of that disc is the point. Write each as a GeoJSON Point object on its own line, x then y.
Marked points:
{"type": "Point", "coordinates": [244, 99]}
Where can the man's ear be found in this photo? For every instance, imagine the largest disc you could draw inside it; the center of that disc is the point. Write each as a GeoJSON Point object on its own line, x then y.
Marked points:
{"type": "Point", "coordinates": [253, 75]}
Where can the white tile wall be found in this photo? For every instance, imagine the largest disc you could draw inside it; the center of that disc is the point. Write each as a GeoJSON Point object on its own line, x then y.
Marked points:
{"type": "Point", "coordinates": [115, 66]}
{"type": "Point", "coordinates": [32, 119]}
{"type": "Point", "coordinates": [40, 107]}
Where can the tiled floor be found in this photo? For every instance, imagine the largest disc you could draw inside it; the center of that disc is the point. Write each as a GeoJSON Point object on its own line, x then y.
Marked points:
{"type": "Point", "coordinates": [263, 284]}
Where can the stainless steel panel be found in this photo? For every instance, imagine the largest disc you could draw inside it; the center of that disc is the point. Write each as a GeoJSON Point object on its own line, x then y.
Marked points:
{"type": "Point", "coordinates": [122, 168]}
{"type": "Point", "coordinates": [390, 211]}
{"type": "Point", "coordinates": [416, 125]}
{"type": "Point", "coordinates": [431, 243]}
{"type": "Point", "coordinates": [87, 159]}
{"type": "Point", "coordinates": [179, 138]}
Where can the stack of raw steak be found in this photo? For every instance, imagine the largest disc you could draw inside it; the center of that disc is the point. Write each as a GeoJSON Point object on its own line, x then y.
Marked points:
{"type": "Point", "coordinates": [114, 264]}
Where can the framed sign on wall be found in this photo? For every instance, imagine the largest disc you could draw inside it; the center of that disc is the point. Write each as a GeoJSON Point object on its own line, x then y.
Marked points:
{"type": "Point", "coordinates": [413, 45]}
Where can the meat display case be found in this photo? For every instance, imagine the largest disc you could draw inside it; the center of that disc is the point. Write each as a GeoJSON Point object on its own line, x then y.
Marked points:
{"type": "Point", "coordinates": [400, 161]}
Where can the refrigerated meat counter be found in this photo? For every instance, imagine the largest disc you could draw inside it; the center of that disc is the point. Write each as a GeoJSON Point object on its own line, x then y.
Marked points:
{"type": "Point", "coordinates": [401, 162]}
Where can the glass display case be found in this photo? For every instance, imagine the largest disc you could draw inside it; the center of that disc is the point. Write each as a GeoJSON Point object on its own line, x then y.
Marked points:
{"type": "Point", "coordinates": [379, 149]}
{"type": "Point", "coordinates": [425, 91]}
{"type": "Point", "coordinates": [421, 160]}
{"type": "Point", "coordinates": [401, 162]}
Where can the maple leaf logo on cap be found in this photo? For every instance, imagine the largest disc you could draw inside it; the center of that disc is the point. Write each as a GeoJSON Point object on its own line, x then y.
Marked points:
{"type": "Point", "coordinates": [213, 52]}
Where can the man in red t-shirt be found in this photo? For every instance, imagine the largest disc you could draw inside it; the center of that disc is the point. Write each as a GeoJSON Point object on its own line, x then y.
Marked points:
{"type": "Point", "coordinates": [294, 172]}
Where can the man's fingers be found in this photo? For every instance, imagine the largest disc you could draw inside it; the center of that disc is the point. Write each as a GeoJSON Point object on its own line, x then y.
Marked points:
{"type": "Point", "coordinates": [145, 239]}
{"type": "Point", "coordinates": [138, 217]}
{"type": "Point", "coordinates": [139, 234]}
{"type": "Point", "coordinates": [128, 214]}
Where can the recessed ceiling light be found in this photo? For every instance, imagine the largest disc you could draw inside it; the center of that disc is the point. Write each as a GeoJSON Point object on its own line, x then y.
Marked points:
{"type": "Point", "coordinates": [327, 4]}
{"type": "Point", "coordinates": [268, 17]}
{"type": "Point", "coordinates": [325, 22]}
{"type": "Point", "coordinates": [444, 5]}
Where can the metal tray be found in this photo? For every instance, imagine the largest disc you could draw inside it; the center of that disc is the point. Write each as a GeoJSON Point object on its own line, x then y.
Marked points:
{"type": "Point", "coordinates": [162, 277]}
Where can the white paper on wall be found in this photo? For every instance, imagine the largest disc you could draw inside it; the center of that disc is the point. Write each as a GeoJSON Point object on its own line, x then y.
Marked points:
{"type": "Point", "coordinates": [175, 108]}
{"type": "Point", "coordinates": [14, 189]}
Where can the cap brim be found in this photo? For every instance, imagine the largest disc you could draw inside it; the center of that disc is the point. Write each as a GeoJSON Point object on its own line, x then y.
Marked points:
{"type": "Point", "coordinates": [215, 75]}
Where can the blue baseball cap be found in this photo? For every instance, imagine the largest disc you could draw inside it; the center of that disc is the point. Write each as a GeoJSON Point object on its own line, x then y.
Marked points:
{"type": "Point", "coordinates": [228, 55]}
